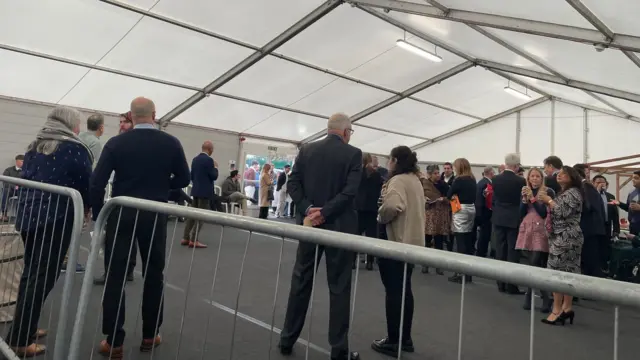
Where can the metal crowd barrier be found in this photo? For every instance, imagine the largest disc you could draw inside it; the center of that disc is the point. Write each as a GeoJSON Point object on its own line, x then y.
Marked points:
{"type": "Point", "coordinates": [42, 245]}
{"type": "Point", "coordinates": [620, 294]}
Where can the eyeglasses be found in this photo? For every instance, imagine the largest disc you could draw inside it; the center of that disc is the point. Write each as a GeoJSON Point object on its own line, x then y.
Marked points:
{"type": "Point", "coordinates": [351, 131]}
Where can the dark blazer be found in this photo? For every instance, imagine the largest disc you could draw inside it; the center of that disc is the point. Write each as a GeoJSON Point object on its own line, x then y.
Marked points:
{"type": "Point", "coordinates": [552, 183]}
{"type": "Point", "coordinates": [507, 196]}
{"type": "Point", "coordinates": [369, 191]}
{"type": "Point", "coordinates": [613, 222]}
{"type": "Point", "coordinates": [483, 214]}
{"type": "Point", "coordinates": [450, 182]}
{"type": "Point", "coordinates": [282, 179]}
{"type": "Point", "coordinates": [203, 175]}
{"type": "Point", "coordinates": [327, 174]}
{"type": "Point", "coordinates": [592, 219]}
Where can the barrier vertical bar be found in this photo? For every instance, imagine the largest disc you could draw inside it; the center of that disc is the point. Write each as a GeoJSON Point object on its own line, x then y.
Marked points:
{"type": "Point", "coordinates": [213, 284]}
{"type": "Point", "coordinates": [402, 309]}
{"type": "Point", "coordinates": [275, 299]}
{"type": "Point", "coordinates": [313, 291]}
{"type": "Point", "coordinates": [464, 282]}
{"type": "Point", "coordinates": [235, 314]}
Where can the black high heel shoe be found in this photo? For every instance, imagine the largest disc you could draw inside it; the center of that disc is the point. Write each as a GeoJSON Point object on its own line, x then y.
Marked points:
{"type": "Point", "coordinates": [568, 315]}
{"type": "Point", "coordinates": [559, 320]}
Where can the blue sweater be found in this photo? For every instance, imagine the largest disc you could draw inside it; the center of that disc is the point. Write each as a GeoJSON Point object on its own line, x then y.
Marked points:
{"type": "Point", "coordinates": [148, 163]}
{"type": "Point", "coordinates": [203, 175]}
{"type": "Point", "coordinates": [69, 166]}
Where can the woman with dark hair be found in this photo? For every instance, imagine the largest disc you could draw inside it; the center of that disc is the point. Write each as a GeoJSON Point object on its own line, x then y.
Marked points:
{"type": "Point", "coordinates": [45, 220]}
{"type": "Point", "coordinates": [533, 237]}
{"type": "Point", "coordinates": [402, 213]}
{"type": "Point", "coordinates": [463, 193]}
{"type": "Point", "coordinates": [437, 224]}
{"type": "Point", "coordinates": [566, 239]}
{"type": "Point", "coordinates": [367, 202]}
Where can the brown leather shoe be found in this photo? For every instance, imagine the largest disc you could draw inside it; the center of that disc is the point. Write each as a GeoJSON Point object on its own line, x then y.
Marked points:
{"type": "Point", "coordinates": [148, 344]}
{"type": "Point", "coordinates": [30, 351]}
{"type": "Point", "coordinates": [111, 352]}
{"type": "Point", "coordinates": [197, 245]}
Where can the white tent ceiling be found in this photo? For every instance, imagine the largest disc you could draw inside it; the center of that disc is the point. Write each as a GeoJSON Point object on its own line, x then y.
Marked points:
{"type": "Point", "coordinates": [276, 69]}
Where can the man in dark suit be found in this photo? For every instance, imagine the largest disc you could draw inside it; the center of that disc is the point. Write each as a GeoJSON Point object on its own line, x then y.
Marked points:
{"type": "Point", "coordinates": [507, 196]}
{"type": "Point", "coordinates": [552, 166]}
{"type": "Point", "coordinates": [447, 173]}
{"type": "Point", "coordinates": [323, 186]}
{"type": "Point", "coordinates": [148, 164]}
{"type": "Point", "coordinates": [204, 172]}
{"type": "Point", "coordinates": [592, 223]}
{"type": "Point", "coordinates": [483, 213]}
{"type": "Point", "coordinates": [611, 217]}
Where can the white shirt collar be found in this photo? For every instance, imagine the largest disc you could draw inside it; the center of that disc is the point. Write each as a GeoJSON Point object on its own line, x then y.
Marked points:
{"type": "Point", "coordinates": [17, 168]}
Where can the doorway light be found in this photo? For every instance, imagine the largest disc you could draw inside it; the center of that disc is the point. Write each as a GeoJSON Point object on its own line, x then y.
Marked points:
{"type": "Point", "coordinates": [517, 93]}
{"type": "Point", "coordinates": [418, 50]}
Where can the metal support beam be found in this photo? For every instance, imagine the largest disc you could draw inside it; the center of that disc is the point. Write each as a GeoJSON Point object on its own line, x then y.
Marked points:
{"type": "Point", "coordinates": [585, 139]}
{"type": "Point", "coordinates": [518, 132]}
{"type": "Point", "coordinates": [272, 45]}
{"type": "Point", "coordinates": [558, 31]}
{"type": "Point", "coordinates": [403, 95]}
{"type": "Point", "coordinates": [552, 130]}
{"type": "Point", "coordinates": [483, 122]}
{"type": "Point", "coordinates": [594, 108]}
{"type": "Point", "coordinates": [621, 94]}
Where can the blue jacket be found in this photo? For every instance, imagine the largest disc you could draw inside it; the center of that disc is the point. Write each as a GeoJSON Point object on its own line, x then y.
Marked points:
{"type": "Point", "coordinates": [203, 175]}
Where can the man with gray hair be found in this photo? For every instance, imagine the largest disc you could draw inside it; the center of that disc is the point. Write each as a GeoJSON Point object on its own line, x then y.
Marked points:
{"type": "Point", "coordinates": [507, 195]}
{"type": "Point", "coordinates": [91, 137]}
{"type": "Point", "coordinates": [323, 185]}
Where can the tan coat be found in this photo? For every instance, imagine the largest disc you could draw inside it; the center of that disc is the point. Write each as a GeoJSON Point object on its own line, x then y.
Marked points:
{"type": "Point", "coordinates": [265, 185]}
{"type": "Point", "coordinates": [402, 209]}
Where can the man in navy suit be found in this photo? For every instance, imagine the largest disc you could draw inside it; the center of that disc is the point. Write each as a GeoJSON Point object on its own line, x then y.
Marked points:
{"type": "Point", "coordinates": [204, 172]}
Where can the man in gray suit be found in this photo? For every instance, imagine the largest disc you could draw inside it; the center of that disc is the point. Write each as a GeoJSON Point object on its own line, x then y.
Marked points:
{"type": "Point", "coordinates": [323, 185]}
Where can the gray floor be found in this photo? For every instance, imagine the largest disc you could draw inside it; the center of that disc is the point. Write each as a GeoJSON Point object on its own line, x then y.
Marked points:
{"type": "Point", "coordinates": [200, 326]}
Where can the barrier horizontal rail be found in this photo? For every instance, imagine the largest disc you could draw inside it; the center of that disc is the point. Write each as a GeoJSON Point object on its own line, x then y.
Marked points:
{"type": "Point", "coordinates": [61, 342]}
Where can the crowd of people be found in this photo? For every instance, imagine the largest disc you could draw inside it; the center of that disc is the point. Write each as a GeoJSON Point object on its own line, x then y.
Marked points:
{"type": "Point", "coordinates": [556, 216]}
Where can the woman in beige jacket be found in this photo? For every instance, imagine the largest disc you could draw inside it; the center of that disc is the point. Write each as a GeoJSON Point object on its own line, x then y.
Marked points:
{"type": "Point", "coordinates": [402, 211]}
{"type": "Point", "coordinates": [266, 183]}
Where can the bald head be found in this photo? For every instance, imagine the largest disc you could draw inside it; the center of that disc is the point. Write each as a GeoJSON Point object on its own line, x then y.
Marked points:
{"type": "Point", "coordinates": [340, 124]}
{"type": "Point", "coordinates": [143, 110]}
{"type": "Point", "coordinates": [207, 147]}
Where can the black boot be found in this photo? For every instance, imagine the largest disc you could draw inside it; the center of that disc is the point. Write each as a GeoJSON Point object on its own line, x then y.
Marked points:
{"type": "Point", "coordinates": [527, 300]}
{"type": "Point", "coordinates": [547, 302]}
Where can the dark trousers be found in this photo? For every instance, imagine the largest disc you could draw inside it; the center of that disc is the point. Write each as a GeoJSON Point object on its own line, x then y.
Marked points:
{"type": "Point", "coordinates": [264, 212]}
{"type": "Point", "coordinates": [537, 259]}
{"type": "Point", "coordinates": [368, 225]}
{"type": "Point", "coordinates": [152, 242]}
{"type": "Point", "coordinates": [338, 264]}
{"type": "Point", "coordinates": [590, 257]}
{"type": "Point", "coordinates": [484, 240]}
{"type": "Point", "coordinates": [392, 273]}
{"type": "Point", "coordinates": [438, 241]}
{"type": "Point", "coordinates": [44, 250]}
{"type": "Point", "coordinates": [506, 239]}
{"type": "Point", "coordinates": [192, 227]}
{"type": "Point", "coordinates": [292, 209]}
{"type": "Point", "coordinates": [7, 192]}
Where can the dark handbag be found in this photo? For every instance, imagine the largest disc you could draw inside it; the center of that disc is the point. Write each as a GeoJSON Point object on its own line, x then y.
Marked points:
{"type": "Point", "coordinates": [270, 193]}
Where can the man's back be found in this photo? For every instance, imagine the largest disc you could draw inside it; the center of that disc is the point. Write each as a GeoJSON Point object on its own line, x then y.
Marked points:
{"type": "Point", "coordinates": [507, 190]}
{"type": "Point", "coordinates": [203, 175]}
{"type": "Point", "coordinates": [327, 174]}
{"type": "Point", "coordinates": [144, 161]}
{"type": "Point", "coordinates": [93, 143]}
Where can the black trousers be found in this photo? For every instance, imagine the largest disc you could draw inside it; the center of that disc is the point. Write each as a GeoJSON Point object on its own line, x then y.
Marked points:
{"type": "Point", "coordinates": [438, 241]}
{"type": "Point", "coordinates": [484, 240]}
{"type": "Point", "coordinates": [264, 212]}
{"type": "Point", "coordinates": [506, 239]}
{"type": "Point", "coordinates": [590, 257]}
{"type": "Point", "coordinates": [338, 264]}
{"type": "Point", "coordinates": [368, 225]}
{"type": "Point", "coordinates": [44, 251]}
{"type": "Point", "coordinates": [152, 242]}
{"type": "Point", "coordinates": [537, 259]}
{"type": "Point", "coordinates": [392, 274]}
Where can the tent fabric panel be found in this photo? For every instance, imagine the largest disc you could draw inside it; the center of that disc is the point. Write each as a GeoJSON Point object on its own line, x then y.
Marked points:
{"type": "Point", "coordinates": [489, 144]}
{"type": "Point", "coordinates": [73, 29]}
{"type": "Point", "coordinates": [564, 92]}
{"type": "Point", "coordinates": [568, 142]}
{"type": "Point", "coordinates": [611, 137]}
{"type": "Point", "coordinates": [578, 61]}
{"type": "Point", "coordinates": [535, 134]}
{"type": "Point", "coordinates": [415, 118]}
{"type": "Point", "coordinates": [475, 91]}
{"type": "Point", "coordinates": [160, 50]}
{"type": "Point", "coordinates": [103, 91]}
{"type": "Point", "coordinates": [379, 142]}
{"type": "Point", "coordinates": [222, 113]}
{"type": "Point", "coordinates": [288, 125]}
{"type": "Point", "coordinates": [619, 15]}
{"type": "Point", "coordinates": [465, 39]}
{"type": "Point", "coordinates": [251, 21]}
{"type": "Point", "coordinates": [278, 82]}
{"type": "Point", "coordinates": [552, 11]}
{"type": "Point", "coordinates": [630, 107]}
{"type": "Point", "coordinates": [37, 79]}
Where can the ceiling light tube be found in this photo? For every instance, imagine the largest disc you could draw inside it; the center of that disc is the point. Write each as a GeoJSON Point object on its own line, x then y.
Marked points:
{"type": "Point", "coordinates": [418, 51]}
{"type": "Point", "coordinates": [516, 93]}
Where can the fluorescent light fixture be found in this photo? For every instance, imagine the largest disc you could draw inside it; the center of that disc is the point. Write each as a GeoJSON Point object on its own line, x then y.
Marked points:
{"type": "Point", "coordinates": [516, 93]}
{"type": "Point", "coordinates": [418, 51]}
